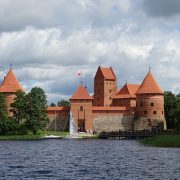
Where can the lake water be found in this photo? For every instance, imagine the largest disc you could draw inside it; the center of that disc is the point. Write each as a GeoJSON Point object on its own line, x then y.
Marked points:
{"type": "Point", "coordinates": [87, 159]}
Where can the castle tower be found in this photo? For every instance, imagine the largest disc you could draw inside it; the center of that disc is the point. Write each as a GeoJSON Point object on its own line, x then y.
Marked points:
{"type": "Point", "coordinates": [150, 101]}
{"type": "Point", "coordinates": [81, 108]}
{"type": "Point", "coordinates": [105, 86]}
{"type": "Point", "coordinates": [9, 87]}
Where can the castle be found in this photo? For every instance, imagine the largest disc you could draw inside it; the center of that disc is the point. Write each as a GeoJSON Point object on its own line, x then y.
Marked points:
{"type": "Point", "coordinates": [133, 107]}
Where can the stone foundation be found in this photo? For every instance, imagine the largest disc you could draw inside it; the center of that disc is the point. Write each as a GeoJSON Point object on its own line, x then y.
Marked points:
{"type": "Point", "coordinates": [112, 123]}
{"type": "Point", "coordinates": [148, 123]}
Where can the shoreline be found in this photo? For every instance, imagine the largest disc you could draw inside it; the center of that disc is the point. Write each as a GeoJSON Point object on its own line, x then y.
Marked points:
{"type": "Point", "coordinates": [168, 141]}
{"type": "Point", "coordinates": [42, 135]}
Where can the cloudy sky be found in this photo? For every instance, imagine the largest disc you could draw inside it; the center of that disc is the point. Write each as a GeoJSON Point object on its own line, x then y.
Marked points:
{"type": "Point", "coordinates": [49, 41]}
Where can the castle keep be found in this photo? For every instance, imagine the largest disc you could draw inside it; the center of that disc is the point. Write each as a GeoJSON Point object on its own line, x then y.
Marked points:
{"type": "Point", "coordinates": [133, 107]}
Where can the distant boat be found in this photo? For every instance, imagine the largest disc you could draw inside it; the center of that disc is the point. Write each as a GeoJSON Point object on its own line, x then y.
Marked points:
{"type": "Point", "coordinates": [52, 137]}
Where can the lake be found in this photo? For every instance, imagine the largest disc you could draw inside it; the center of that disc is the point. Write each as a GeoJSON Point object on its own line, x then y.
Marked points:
{"type": "Point", "coordinates": [87, 159]}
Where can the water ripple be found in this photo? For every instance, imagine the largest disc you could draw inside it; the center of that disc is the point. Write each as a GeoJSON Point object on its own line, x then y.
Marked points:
{"type": "Point", "coordinates": [87, 159]}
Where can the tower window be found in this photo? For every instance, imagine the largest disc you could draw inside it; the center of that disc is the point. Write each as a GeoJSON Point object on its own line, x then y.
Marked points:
{"type": "Point", "coordinates": [141, 104]}
{"type": "Point", "coordinates": [162, 112]}
{"type": "Point", "coordinates": [152, 104]}
{"type": "Point", "coordinates": [145, 112]}
{"type": "Point", "coordinates": [81, 108]}
{"type": "Point", "coordinates": [110, 98]}
{"type": "Point", "coordinates": [110, 91]}
{"type": "Point", "coordinates": [154, 112]}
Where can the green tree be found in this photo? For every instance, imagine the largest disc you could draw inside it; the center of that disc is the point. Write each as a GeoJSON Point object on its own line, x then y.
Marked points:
{"type": "Point", "coordinates": [63, 102]}
{"type": "Point", "coordinates": [52, 105]}
{"type": "Point", "coordinates": [177, 111]}
{"type": "Point", "coordinates": [169, 107]}
{"type": "Point", "coordinates": [36, 105]}
{"type": "Point", "coordinates": [19, 107]}
{"type": "Point", "coordinates": [3, 108]}
{"type": "Point", "coordinates": [6, 126]}
{"type": "Point", "coordinates": [172, 109]}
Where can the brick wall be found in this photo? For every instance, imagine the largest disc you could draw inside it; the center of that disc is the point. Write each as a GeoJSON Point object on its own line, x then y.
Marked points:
{"type": "Point", "coordinates": [150, 106]}
{"type": "Point", "coordinates": [9, 97]}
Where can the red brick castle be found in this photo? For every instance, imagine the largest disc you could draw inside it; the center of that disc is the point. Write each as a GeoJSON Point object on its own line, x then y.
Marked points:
{"type": "Point", "coordinates": [134, 106]}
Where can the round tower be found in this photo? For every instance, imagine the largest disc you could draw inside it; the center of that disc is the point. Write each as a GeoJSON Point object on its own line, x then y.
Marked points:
{"type": "Point", "coordinates": [150, 104]}
{"type": "Point", "coordinates": [9, 87]}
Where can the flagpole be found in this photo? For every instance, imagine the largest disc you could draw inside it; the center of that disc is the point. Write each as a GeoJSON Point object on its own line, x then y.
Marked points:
{"type": "Point", "coordinates": [81, 77]}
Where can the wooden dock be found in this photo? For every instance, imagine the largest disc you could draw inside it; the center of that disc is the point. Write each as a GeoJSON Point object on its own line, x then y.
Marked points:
{"type": "Point", "coordinates": [140, 134]}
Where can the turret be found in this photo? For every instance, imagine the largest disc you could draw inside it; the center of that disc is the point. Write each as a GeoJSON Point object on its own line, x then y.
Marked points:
{"type": "Point", "coordinates": [9, 87]}
{"type": "Point", "coordinates": [81, 108]}
{"type": "Point", "coordinates": [150, 102]}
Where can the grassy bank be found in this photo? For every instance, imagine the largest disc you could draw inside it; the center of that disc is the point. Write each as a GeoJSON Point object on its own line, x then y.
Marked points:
{"type": "Point", "coordinates": [31, 136]}
{"type": "Point", "coordinates": [41, 134]}
{"type": "Point", "coordinates": [163, 141]}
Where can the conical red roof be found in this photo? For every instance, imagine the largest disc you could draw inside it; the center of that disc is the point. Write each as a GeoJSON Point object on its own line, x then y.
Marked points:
{"type": "Point", "coordinates": [81, 93]}
{"type": "Point", "coordinates": [10, 83]}
{"type": "Point", "coordinates": [149, 85]}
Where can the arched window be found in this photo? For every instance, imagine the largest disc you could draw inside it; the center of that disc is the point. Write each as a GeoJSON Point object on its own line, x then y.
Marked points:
{"type": "Point", "coordinates": [152, 104]}
{"type": "Point", "coordinates": [162, 112]}
{"type": "Point", "coordinates": [154, 112]}
{"type": "Point", "coordinates": [145, 112]}
{"type": "Point", "coordinates": [141, 104]}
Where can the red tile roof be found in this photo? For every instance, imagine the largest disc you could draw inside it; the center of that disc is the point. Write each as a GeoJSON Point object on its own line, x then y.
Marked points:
{"type": "Point", "coordinates": [10, 83]}
{"type": "Point", "coordinates": [109, 108]}
{"type": "Point", "coordinates": [127, 91]}
{"type": "Point", "coordinates": [81, 93]}
{"type": "Point", "coordinates": [149, 85]}
{"type": "Point", "coordinates": [108, 73]}
{"type": "Point", "coordinates": [58, 108]}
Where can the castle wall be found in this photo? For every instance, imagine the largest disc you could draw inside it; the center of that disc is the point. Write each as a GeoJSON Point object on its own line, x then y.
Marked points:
{"type": "Point", "coordinates": [59, 120]}
{"type": "Point", "coordinates": [112, 122]}
{"type": "Point", "coordinates": [148, 123]}
{"type": "Point", "coordinates": [121, 102]}
{"type": "Point", "coordinates": [9, 98]}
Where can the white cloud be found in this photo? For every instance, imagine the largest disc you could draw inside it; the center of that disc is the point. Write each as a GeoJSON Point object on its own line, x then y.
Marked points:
{"type": "Point", "coordinates": [48, 45]}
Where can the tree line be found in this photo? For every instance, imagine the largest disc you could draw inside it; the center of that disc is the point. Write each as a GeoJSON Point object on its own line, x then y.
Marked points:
{"type": "Point", "coordinates": [28, 113]}
{"type": "Point", "coordinates": [172, 109]}
{"type": "Point", "coordinates": [62, 102]}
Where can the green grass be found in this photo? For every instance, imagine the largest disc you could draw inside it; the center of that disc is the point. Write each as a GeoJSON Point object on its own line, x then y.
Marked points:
{"type": "Point", "coordinates": [163, 141]}
{"type": "Point", "coordinates": [21, 137]}
{"type": "Point", "coordinates": [30, 136]}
